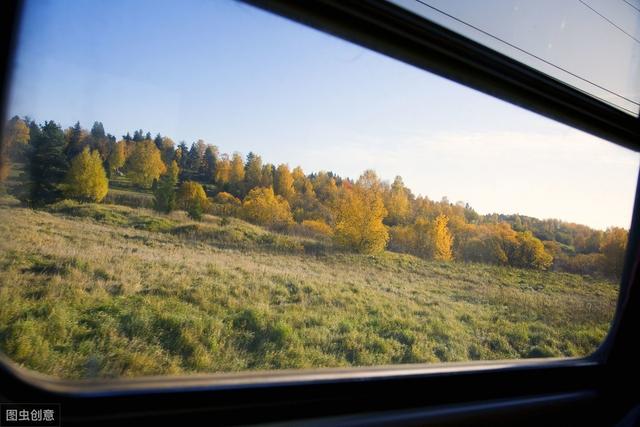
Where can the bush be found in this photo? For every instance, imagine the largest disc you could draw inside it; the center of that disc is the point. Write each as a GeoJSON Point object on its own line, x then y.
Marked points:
{"type": "Point", "coordinates": [317, 228]}
{"type": "Point", "coordinates": [192, 198]}
{"type": "Point", "coordinates": [263, 207]}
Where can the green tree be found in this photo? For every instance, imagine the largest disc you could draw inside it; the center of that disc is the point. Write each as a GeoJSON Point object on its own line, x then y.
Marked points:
{"type": "Point", "coordinates": [48, 164]}
{"type": "Point", "coordinates": [252, 171]}
{"type": "Point", "coordinates": [86, 179]}
{"type": "Point", "coordinates": [165, 191]}
{"type": "Point", "coordinates": [145, 164]}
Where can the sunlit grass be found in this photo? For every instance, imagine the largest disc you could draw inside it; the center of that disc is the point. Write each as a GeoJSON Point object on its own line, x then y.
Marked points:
{"type": "Point", "coordinates": [106, 291]}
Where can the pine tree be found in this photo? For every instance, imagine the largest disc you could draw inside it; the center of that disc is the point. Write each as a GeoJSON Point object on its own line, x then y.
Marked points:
{"type": "Point", "coordinates": [48, 164]}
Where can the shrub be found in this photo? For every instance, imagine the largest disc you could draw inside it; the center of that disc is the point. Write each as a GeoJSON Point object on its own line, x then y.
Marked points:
{"type": "Point", "coordinates": [263, 207]}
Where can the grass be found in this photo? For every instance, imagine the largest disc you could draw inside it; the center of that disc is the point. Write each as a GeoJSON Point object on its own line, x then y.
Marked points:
{"type": "Point", "coordinates": [106, 291]}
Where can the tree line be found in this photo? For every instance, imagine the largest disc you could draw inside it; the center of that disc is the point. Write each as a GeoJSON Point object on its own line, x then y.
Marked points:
{"type": "Point", "coordinates": [365, 215]}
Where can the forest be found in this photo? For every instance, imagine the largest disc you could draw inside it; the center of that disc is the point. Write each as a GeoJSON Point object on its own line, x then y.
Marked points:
{"type": "Point", "coordinates": [363, 215]}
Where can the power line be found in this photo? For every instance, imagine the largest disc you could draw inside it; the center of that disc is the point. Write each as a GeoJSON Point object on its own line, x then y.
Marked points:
{"type": "Point", "coordinates": [536, 57]}
{"type": "Point", "coordinates": [631, 5]}
{"type": "Point", "coordinates": [609, 21]}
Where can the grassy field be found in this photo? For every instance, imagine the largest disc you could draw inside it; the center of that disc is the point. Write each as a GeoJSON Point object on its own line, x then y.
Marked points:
{"type": "Point", "coordinates": [109, 291]}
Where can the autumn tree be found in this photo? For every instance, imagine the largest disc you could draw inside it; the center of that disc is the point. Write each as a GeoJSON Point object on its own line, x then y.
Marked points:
{"type": "Point", "coordinates": [325, 187]}
{"type": "Point", "coordinates": [192, 198]}
{"type": "Point", "coordinates": [15, 141]}
{"type": "Point", "coordinates": [225, 204]}
{"type": "Point", "coordinates": [165, 191]}
{"type": "Point", "coordinates": [442, 239]}
{"type": "Point", "coordinates": [262, 206]}
{"type": "Point", "coordinates": [236, 174]}
{"type": "Point", "coordinates": [144, 164]}
{"type": "Point", "coordinates": [530, 253]}
{"type": "Point", "coordinates": [223, 171]}
{"type": "Point", "coordinates": [397, 203]}
{"type": "Point", "coordinates": [267, 175]}
{"type": "Point", "coordinates": [359, 212]}
{"type": "Point", "coordinates": [613, 247]}
{"type": "Point", "coordinates": [86, 179]}
{"type": "Point", "coordinates": [118, 156]}
{"type": "Point", "coordinates": [283, 183]}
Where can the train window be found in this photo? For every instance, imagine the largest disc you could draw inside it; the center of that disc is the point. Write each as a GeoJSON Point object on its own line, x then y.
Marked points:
{"type": "Point", "coordinates": [204, 187]}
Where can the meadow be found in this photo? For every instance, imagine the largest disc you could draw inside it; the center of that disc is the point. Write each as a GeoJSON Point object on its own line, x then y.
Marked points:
{"type": "Point", "coordinates": [105, 290]}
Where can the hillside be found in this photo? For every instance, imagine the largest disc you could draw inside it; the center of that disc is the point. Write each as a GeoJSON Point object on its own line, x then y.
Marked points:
{"type": "Point", "coordinates": [91, 290]}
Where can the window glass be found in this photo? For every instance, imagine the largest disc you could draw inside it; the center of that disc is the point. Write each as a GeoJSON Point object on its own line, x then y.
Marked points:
{"type": "Point", "coordinates": [592, 45]}
{"type": "Point", "coordinates": [201, 186]}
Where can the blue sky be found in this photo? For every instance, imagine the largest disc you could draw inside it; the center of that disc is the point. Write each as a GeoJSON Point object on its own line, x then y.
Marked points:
{"type": "Point", "coordinates": [246, 80]}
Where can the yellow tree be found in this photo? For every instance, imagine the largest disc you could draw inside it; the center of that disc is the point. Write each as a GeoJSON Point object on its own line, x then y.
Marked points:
{"type": "Point", "coordinates": [263, 207]}
{"type": "Point", "coordinates": [283, 183]}
{"type": "Point", "coordinates": [86, 179]}
{"type": "Point", "coordinates": [223, 170]}
{"type": "Point", "coordinates": [530, 252]}
{"type": "Point", "coordinates": [145, 164]}
{"type": "Point", "coordinates": [359, 212]}
{"type": "Point", "coordinates": [442, 239]}
{"type": "Point", "coordinates": [397, 202]}
{"type": "Point", "coordinates": [192, 198]}
{"type": "Point", "coordinates": [236, 174]}
{"type": "Point", "coordinates": [117, 156]}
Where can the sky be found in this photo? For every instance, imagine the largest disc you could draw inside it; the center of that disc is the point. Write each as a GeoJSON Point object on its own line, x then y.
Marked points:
{"type": "Point", "coordinates": [246, 80]}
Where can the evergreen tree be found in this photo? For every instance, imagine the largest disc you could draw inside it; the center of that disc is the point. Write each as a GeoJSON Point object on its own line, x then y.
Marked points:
{"type": "Point", "coordinates": [48, 164]}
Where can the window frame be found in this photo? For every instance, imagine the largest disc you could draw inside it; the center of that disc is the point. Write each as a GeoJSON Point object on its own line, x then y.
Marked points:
{"type": "Point", "coordinates": [278, 395]}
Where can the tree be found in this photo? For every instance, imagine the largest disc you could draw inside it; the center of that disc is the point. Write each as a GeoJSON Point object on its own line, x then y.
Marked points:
{"type": "Point", "coordinates": [613, 247]}
{"type": "Point", "coordinates": [165, 192]}
{"type": "Point", "coordinates": [397, 202]}
{"type": "Point", "coordinates": [442, 239]}
{"type": "Point", "coordinates": [262, 206]}
{"type": "Point", "coordinates": [15, 142]}
{"type": "Point", "coordinates": [359, 213]}
{"type": "Point", "coordinates": [266, 176]}
{"type": "Point", "coordinates": [145, 164]}
{"type": "Point", "coordinates": [530, 253]}
{"type": "Point", "coordinates": [325, 187]}
{"type": "Point", "coordinates": [48, 164]}
{"type": "Point", "coordinates": [118, 156]}
{"type": "Point", "coordinates": [283, 183]}
{"type": "Point", "coordinates": [252, 171]}
{"type": "Point", "coordinates": [236, 175]}
{"type": "Point", "coordinates": [86, 179]}
{"type": "Point", "coordinates": [210, 160]}
{"type": "Point", "coordinates": [192, 198]}
{"type": "Point", "coordinates": [223, 171]}
{"type": "Point", "coordinates": [226, 204]}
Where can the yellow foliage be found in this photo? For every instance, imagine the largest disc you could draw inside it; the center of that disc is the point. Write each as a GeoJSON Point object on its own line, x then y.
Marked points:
{"type": "Point", "coordinates": [359, 212]}
{"type": "Point", "coordinates": [86, 179]}
{"type": "Point", "coordinates": [118, 156]}
{"type": "Point", "coordinates": [191, 196]}
{"type": "Point", "coordinates": [236, 174]}
{"type": "Point", "coordinates": [225, 204]}
{"type": "Point", "coordinates": [442, 239]}
{"type": "Point", "coordinates": [223, 170]}
{"type": "Point", "coordinates": [283, 183]}
{"type": "Point", "coordinates": [613, 247]}
{"type": "Point", "coordinates": [145, 164]}
{"type": "Point", "coordinates": [263, 207]}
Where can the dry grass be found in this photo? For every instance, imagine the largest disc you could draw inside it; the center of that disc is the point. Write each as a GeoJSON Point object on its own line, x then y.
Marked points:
{"type": "Point", "coordinates": [105, 291]}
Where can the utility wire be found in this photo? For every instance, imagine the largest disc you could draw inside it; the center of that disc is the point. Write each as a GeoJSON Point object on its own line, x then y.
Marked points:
{"type": "Point", "coordinates": [536, 57]}
{"type": "Point", "coordinates": [636, 8]}
{"type": "Point", "coordinates": [609, 21]}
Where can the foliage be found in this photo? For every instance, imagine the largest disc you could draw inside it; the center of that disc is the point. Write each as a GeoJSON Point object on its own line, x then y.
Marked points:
{"type": "Point", "coordinates": [318, 227]}
{"type": "Point", "coordinates": [359, 213]}
{"type": "Point", "coordinates": [614, 245]}
{"type": "Point", "coordinates": [165, 191]}
{"type": "Point", "coordinates": [225, 204]}
{"type": "Point", "coordinates": [283, 183]}
{"type": "Point", "coordinates": [86, 179]}
{"type": "Point", "coordinates": [117, 156]}
{"type": "Point", "coordinates": [145, 164]}
{"type": "Point", "coordinates": [263, 207]}
{"type": "Point", "coordinates": [442, 239]}
{"type": "Point", "coordinates": [48, 164]}
{"type": "Point", "coordinates": [192, 198]}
